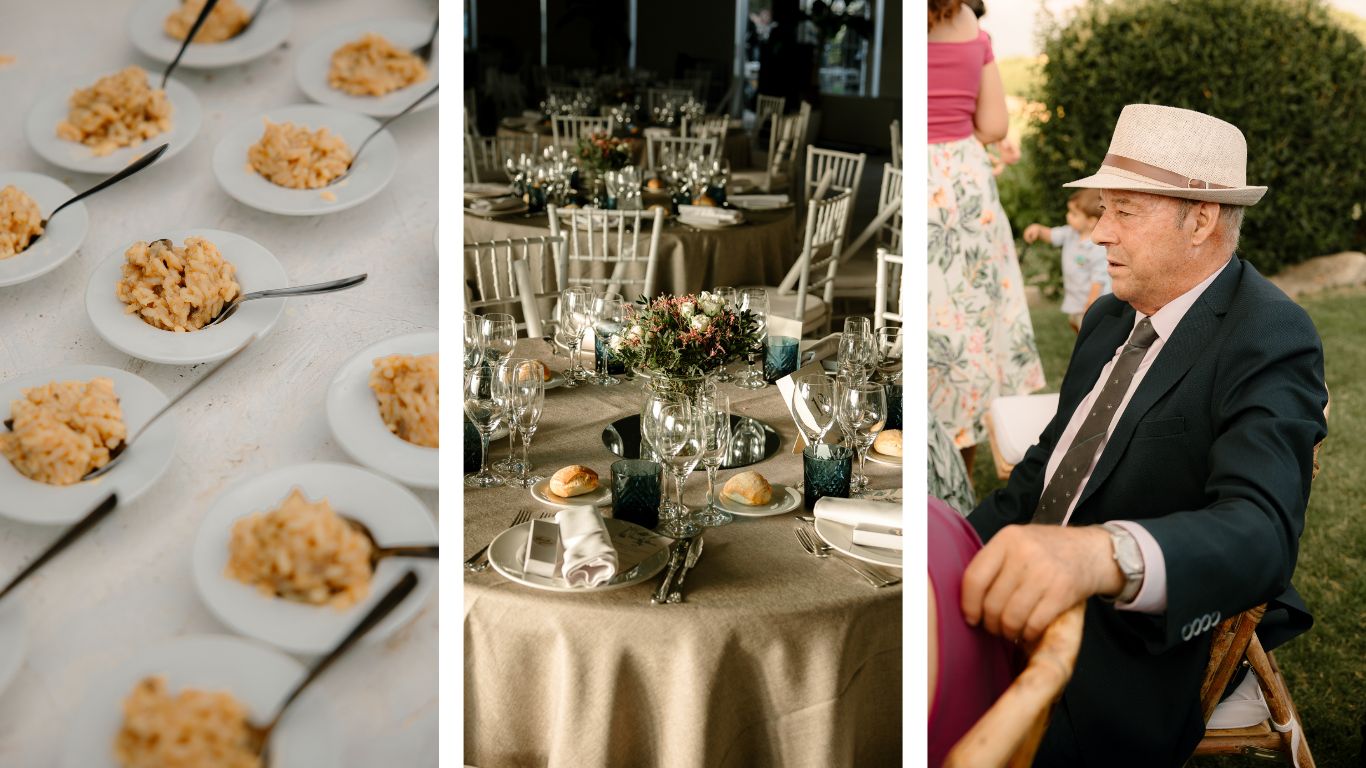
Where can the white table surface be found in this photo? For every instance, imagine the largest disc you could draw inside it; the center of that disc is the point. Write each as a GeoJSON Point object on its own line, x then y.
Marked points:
{"type": "Point", "coordinates": [128, 583]}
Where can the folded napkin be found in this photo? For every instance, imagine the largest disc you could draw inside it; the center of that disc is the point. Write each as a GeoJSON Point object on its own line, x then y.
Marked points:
{"type": "Point", "coordinates": [589, 557]}
{"type": "Point", "coordinates": [856, 512]}
{"type": "Point", "coordinates": [759, 202]}
{"type": "Point", "coordinates": [710, 213]}
{"type": "Point", "coordinates": [496, 204]}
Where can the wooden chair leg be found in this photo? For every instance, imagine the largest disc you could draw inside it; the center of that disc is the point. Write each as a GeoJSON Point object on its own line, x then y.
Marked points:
{"type": "Point", "coordinates": [1278, 701]}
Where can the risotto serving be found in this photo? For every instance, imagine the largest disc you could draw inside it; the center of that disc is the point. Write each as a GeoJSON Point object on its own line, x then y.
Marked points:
{"type": "Point", "coordinates": [406, 387]}
{"type": "Point", "coordinates": [20, 221]}
{"type": "Point", "coordinates": [301, 551]}
{"type": "Point", "coordinates": [63, 430]}
{"type": "Point", "coordinates": [292, 156]}
{"type": "Point", "coordinates": [224, 23]}
{"type": "Point", "coordinates": [372, 66]}
{"type": "Point", "coordinates": [176, 288]}
{"type": "Point", "coordinates": [119, 110]}
{"type": "Point", "coordinates": [193, 729]}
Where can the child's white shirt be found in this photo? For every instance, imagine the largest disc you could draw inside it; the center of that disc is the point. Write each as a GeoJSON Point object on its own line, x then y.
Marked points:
{"type": "Point", "coordinates": [1083, 263]}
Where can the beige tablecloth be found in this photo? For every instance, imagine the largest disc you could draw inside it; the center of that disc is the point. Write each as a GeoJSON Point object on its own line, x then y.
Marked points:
{"type": "Point", "coordinates": [776, 658]}
{"type": "Point", "coordinates": [758, 252]}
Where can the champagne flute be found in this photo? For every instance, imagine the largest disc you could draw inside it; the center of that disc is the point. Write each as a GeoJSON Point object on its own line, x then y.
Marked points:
{"type": "Point", "coordinates": [813, 400]}
{"type": "Point", "coordinates": [575, 314]}
{"type": "Point", "coordinates": [504, 386]}
{"type": "Point", "coordinates": [609, 313]}
{"type": "Point", "coordinates": [655, 400]}
{"type": "Point", "coordinates": [715, 447]}
{"type": "Point", "coordinates": [863, 410]}
{"type": "Point", "coordinates": [680, 438]}
{"type": "Point", "coordinates": [474, 342]}
{"type": "Point", "coordinates": [528, 402]}
{"type": "Point", "coordinates": [727, 296]}
{"type": "Point", "coordinates": [486, 413]}
{"type": "Point", "coordinates": [755, 302]}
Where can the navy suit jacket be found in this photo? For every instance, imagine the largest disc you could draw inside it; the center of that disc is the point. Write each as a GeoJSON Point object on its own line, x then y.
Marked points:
{"type": "Point", "coordinates": [1213, 456]}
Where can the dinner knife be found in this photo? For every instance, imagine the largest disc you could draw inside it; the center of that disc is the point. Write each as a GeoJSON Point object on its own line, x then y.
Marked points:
{"type": "Point", "coordinates": [661, 595]}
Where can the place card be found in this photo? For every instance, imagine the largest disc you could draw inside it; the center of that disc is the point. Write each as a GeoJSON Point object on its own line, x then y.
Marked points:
{"type": "Point", "coordinates": [543, 550]}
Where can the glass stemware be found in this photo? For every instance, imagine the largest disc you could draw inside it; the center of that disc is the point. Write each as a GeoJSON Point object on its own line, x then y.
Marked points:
{"type": "Point", "coordinates": [679, 436]}
{"type": "Point", "coordinates": [755, 302]}
{"type": "Point", "coordinates": [889, 354]}
{"type": "Point", "coordinates": [813, 400]}
{"type": "Point", "coordinates": [500, 336]}
{"type": "Point", "coordinates": [727, 296]}
{"type": "Point", "coordinates": [486, 413]}
{"type": "Point", "coordinates": [862, 411]}
{"type": "Point", "coordinates": [609, 316]}
{"type": "Point", "coordinates": [474, 342]}
{"type": "Point", "coordinates": [576, 314]}
{"type": "Point", "coordinates": [715, 448]}
{"type": "Point", "coordinates": [504, 384]}
{"type": "Point", "coordinates": [656, 399]}
{"type": "Point", "coordinates": [528, 400]}
{"type": "Point", "coordinates": [857, 354]}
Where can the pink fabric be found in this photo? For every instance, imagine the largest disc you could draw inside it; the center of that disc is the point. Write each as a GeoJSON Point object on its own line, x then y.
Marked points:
{"type": "Point", "coordinates": [975, 667]}
{"type": "Point", "coordinates": [955, 75]}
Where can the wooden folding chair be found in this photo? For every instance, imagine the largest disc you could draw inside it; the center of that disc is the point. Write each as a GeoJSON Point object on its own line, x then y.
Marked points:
{"type": "Point", "coordinates": [1008, 734]}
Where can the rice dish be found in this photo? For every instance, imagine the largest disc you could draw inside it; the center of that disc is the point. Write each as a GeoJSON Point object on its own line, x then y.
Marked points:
{"type": "Point", "coordinates": [290, 155]}
{"type": "Point", "coordinates": [193, 729]}
{"type": "Point", "coordinates": [176, 288]}
{"type": "Point", "coordinates": [372, 66]}
{"type": "Point", "coordinates": [63, 430]}
{"type": "Point", "coordinates": [406, 387]}
{"type": "Point", "coordinates": [20, 221]}
{"type": "Point", "coordinates": [225, 21]}
{"type": "Point", "coordinates": [119, 110]}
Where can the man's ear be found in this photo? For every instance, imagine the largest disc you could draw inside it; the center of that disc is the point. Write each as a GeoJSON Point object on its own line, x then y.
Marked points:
{"type": "Point", "coordinates": [1206, 220]}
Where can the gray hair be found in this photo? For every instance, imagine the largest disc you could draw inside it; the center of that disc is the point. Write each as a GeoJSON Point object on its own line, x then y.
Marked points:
{"type": "Point", "coordinates": [1230, 219]}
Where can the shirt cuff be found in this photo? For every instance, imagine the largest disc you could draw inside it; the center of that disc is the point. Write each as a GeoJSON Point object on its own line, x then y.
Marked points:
{"type": "Point", "coordinates": [1152, 596]}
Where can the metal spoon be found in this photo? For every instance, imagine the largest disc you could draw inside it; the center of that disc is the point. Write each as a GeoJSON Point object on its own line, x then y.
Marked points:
{"type": "Point", "coordinates": [314, 289]}
{"type": "Point", "coordinates": [134, 167]}
{"type": "Point", "coordinates": [424, 51]}
{"type": "Point", "coordinates": [74, 532]}
{"type": "Point", "coordinates": [194, 30]}
{"type": "Point", "coordinates": [378, 553]}
{"type": "Point", "coordinates": [260, 734]}
{"type": "Point", "coordinates": [381, 127]}
{"type": "Point", "coordinates": [256, 14]}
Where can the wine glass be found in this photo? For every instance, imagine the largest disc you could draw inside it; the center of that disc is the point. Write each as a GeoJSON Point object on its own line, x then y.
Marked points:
{"type": "Point", "coordinates": [858, 325]}
{"type": "Point", "coordinates": [500, 336]}
{"type": "Point", "coordinates": [857, 353]}
{"type": "Point", "coordinates": [862, 409]}
{"type": "Point", "coordinates": [486, 413]}
{"type": "Point", "coordinates": [504, 388]}
{"type": "Point", "coordinates": [528, 400]}
{"type": "Point", "coordinates": [609, 316]}
{"type": "Point", "coordinates": [755, 302]}
{"type": "Point", "coordinates": [889, 353]}
{"type": "Point", "coordinates": [576, 307]}
{"type": "Point", "coordinates": [679, 437]}
{"type": "Point", "coordinates": [474, 342]}
{"type": "Point", "coordinates": [656, 399]}
{"type": "Point", "coordinates": [715, 448]}
{"type": "Point", "coordinates": [727, 296]}
{"type": "Point", "coordinates": [813, 400]}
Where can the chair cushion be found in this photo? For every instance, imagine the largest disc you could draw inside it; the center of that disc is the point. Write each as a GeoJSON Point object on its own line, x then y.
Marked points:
{"type": "Point", "coordinates": [782, 314]}
{"type": "Point", "coordinates": [1017, 422]}
{"type": "Point", "coordinates": [1243, 708]}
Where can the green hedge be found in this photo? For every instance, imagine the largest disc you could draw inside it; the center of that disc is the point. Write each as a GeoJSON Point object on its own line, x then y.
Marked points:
{"type": "Point", "coordinates": [1283, 71]}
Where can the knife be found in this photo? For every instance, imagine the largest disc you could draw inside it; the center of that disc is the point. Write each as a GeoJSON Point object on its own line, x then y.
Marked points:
{"type": "Point", "coordinates": [661, 595]}
{"type": "Point", "coordinates": [694, 552]}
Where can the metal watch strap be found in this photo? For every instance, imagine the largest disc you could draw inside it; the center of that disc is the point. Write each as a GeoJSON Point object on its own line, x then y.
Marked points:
{"type": "Point", "coordinates": [1125, 550]}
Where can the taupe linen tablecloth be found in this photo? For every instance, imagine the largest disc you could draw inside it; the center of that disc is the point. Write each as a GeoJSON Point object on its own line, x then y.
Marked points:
{"type": "Point", "coordinates": [758, 252]}
{"type": "Point", "coordinates": [776, 658]}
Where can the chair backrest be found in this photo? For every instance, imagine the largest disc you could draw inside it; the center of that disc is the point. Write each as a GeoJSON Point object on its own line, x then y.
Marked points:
{"type": "Point", "coordinates": [782, 147]}
{"type": "Point", "coordinates": [603, 249]}
{"type": "Point", "coordinates": [845, 169]}
{"type": "Point", "coordinates": [889, 234]}
{"type": "Point", "coordinates": [766, 106]}
{"type": "Point", "coordinates": [495, 281]}
{"type": "Point", "coordinates": [896, 143]}
{"type": "Point", "coordinates": [826, 222]}
{"type": "Point", "coordinates": [678, 149]}
{"type": "Point", "coordinates": [1008, 733]}
{"type": "Point", "coordinates": [890, 274]}
{"type": "Point", "coordinates": [656, 97]}
{"type": "Point", "coordinates": [485, 155]}
{"type": "Point", "coordinates": [566, 130]}
{"type": "Point", "coordinates": [471, 127]}
{"type": "Point", "coordinates": [707, 125]}
{"type": "Point", "coordinates": [567, 92]}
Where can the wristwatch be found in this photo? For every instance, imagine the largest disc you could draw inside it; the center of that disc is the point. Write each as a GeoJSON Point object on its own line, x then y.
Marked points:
{"type": "Point", "coordinates": [1130, 561]}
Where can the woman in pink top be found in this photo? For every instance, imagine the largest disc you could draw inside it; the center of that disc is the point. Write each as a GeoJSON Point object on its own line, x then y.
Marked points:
{"type": "Point", "coordinates": [981, 339]}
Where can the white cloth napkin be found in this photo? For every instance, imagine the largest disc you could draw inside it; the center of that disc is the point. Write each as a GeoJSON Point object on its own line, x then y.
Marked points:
{"type": "Point", "coordinates": [496, 204]}
{"type": "Point", "coordinates": [590, 560]}
{"type": "Point", "coordinates": [710, 213]}
{"type": "Point", "coordinates": [858, 512]}
{"type": "Point", "coordinates": [759, 202]}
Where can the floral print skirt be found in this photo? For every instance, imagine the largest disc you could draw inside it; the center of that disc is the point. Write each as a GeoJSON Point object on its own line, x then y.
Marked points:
{"type": "Point", "coordinates": [981, 341]}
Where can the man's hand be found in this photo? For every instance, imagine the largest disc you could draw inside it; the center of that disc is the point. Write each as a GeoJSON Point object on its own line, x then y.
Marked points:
{"type": "Point", "coordinates": [1028, 575]}
{"type": "Point", "coordinates": [1037, 232]}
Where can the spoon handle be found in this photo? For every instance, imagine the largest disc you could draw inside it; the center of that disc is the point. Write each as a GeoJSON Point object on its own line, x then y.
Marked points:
{"type": "Point", "coordinates": [256, 14]}
{"type": "Point", "coordinates": [194, 30]}
{"type": "Point", "coordinates": [134, 167]}
{"type": "Point", "coordinates": [384, 124]}
{"type": "Point", "coordinates": [382, 609]}
{"type": "Point", "coordinates": [425, 550]}
{"type": "Point", "coordinates": [74, 532]}
{"type": "Point", "coordinates": [308, 290]}
{"type": "Point", "coordinates": [168, 406]}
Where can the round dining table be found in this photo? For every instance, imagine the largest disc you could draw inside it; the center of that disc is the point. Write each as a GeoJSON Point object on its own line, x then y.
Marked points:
{"type": "Point", "coordinates": [775, 657]}
{"type": "Point", "coordinates": [736, 149]}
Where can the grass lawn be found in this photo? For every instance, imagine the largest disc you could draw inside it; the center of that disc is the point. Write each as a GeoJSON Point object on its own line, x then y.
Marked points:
{"type": "Point", "coordinates": [1325, 668]}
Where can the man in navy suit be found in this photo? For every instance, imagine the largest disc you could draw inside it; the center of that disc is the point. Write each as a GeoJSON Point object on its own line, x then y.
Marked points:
{"type": "Point", "coordinates": [1169, 490]}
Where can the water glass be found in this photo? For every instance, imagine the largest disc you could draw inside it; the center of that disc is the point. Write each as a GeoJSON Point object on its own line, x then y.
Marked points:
{"type": "Point", "coordinates": [781, 359]}
{"type": "Point", "coordinates": [486, 413]}
{"type": "Point", "coordinates": [893, 407]}
{"type": "Point", "coordinates": [727, 296]}
{"type": "Point", "coordinates": [678, 436]}
{"type": "Point", "coordinates": [888, 343]}
{"type": "Point", "coordinates": [637, 486]}
{"type": "Point", "coordinates": [827, 470]}
{"type": "Point", "coordinates": [500, 336]}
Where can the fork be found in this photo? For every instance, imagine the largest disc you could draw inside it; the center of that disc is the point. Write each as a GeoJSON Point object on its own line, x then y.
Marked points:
{"type": "Point", "coordinates": [473, 563]}
{"type": "Point", "coordinates": [815, 551]}
{"type": "Point", "coordinates": [827, 548]}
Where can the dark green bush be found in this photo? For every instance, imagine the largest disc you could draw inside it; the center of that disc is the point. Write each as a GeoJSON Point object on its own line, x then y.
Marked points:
{"type": "Point", "coordinates": [1283, 71]}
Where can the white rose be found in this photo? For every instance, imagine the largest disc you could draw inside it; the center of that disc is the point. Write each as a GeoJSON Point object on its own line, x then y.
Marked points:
{"type": "Point", "coordinates": [615, 341]}
{"type": "Point", "coordinates": [687, 309]}
{"type": "Point", "coordinates": [700, 323]}
{"type": "Point", "coordinates": [710, 304]}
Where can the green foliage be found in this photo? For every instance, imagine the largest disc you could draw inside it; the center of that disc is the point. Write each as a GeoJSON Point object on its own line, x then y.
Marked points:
{"type": "Point", "coordinates": [1283, 71]}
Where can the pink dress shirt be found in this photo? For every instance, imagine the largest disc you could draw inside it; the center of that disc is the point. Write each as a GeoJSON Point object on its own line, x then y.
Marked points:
{"type": "Point", "coordinates": [955, 77]}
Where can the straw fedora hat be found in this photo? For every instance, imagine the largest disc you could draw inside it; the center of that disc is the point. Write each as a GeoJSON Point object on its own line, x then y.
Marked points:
{"type": "Point", "coordinates": [1178, 153]}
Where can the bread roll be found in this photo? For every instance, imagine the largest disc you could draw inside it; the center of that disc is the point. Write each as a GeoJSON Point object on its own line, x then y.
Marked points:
{"type": "Point", "coordinates": [748, 487]}
{"type": "Point", "coordinates": [573, 480]}
{"type": "Point", "coordinates": [888, 442]}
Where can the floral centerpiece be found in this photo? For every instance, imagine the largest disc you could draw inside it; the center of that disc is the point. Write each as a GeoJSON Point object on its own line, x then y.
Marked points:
{"type": "Point", "coordinates": [600, 153]}
{"type": "Point", "coordinates": [683, 337]}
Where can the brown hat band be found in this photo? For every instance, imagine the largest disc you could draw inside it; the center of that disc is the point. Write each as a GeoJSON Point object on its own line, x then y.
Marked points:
{"type": "Point", "coordinates": [1158, 174]}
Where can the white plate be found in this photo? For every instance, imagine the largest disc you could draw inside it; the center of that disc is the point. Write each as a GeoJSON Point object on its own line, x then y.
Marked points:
{"type": "Point", "coordinates": [146, 28]}
{"type": "Point", "coordinates": [371, 173]}
{"type": "Point", "coordinates": [353, 415]}
{"type": "Point", "coordinates": [479, 190]}
{"type": "Point", "coordinates": [30, 501]}
{"type": "Point", "coordinates": [391, 512]}
{"type": "Point", "coordinates": [13, 640]}
{"type": "Point", "coordinates": [256, 675]}
{"type": "Point", "coordinates": [506, 551]}
{"type": "Point", "coordinates": [556, 380]}
{"type": "Point", "coordinates": [257, 269]}
{"type": "Point", "coordinates": [63, 236]}
{"type": "Point", "coordinates": [523, 208]}
{"type": "Point", "coordinates": [602, 497]}
{"type": "Point", "coordinates": [51, 108]}
{"type": "Point", "coordinates": [841, 537]}
{"type": "Point", "coordinates": [785, 499]}
{"type": "Point", "coordinates": [741, 202]}
{"type": "Point", "coordinates": [706, 223]}
{"type": "Point", "coordinates": [315, 59]}
{"type": "Point", "coordinates": [882, 458]}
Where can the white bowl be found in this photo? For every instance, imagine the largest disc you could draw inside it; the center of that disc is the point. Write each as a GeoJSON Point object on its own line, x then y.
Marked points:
{"type": "Point", "coordinates": [51, 108]}
{"type": "Point", "coordinates": [257, 269]}
{"type": "Point", "coordinates": [391, 512]}
{"type": "Point", "coordinates": [315, 59]}
{"type": "Point", "coordinates": [13, 640]}
{"type": "Point", "coordinates": [146, 30]}
{"type": "Point", "coordinates": [371, 173]}
{"type": "Point", "coordinates": [30, 501]}
{"type": "Point", "coordinates": [353, 415]}
{"type": "Point", "coordinates": [61, 239]}
{"type": "Point", "coordinates": [257, 676]}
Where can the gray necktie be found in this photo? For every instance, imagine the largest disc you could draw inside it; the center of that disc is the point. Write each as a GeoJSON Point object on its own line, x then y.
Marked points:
{"type": "Point", "coordinates": [1066, 482]}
